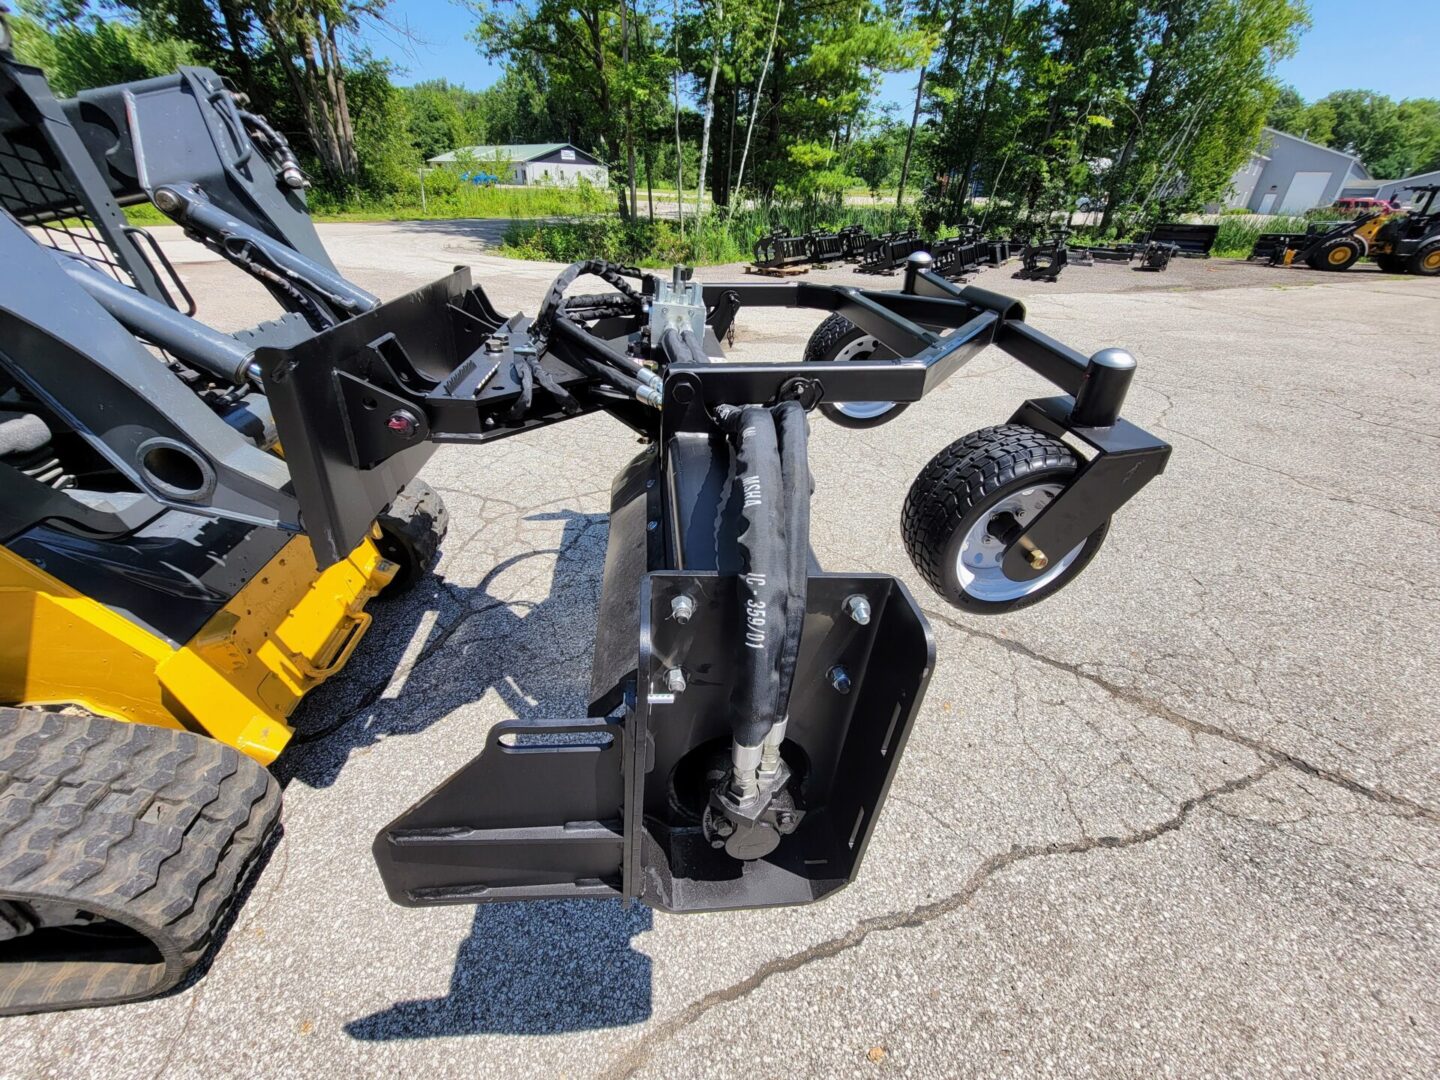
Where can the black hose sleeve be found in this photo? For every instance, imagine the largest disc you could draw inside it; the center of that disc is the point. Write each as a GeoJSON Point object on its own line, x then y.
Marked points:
{"type": "Point", "coordinates": [764, 573]}
{"type": "Point", "coordinates": [523, 372]}
{"type": "Point", "coordinates": [608, 272]}
{"type": "Point", "coordinates": [790, 423]}
{"type": "Point", "coordinates": [558, 392]}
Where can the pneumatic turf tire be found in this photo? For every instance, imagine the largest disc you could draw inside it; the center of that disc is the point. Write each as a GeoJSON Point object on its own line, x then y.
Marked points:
{"type": "Point", "coordinates": [410, 534]}
{"type": "Point", "coordinates": [837, 338]}
{"type": "Point", "coordinates": [122, 849]}
{"type": "Point", "coordinates": [964, 492]}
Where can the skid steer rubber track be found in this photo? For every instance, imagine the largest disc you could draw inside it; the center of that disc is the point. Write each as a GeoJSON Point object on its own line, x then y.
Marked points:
{"type": "Point", "coordinates": [121, 847]}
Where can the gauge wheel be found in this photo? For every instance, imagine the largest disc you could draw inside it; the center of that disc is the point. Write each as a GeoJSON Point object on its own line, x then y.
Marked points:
{"type": "Point", "coordinates": [410, 534]}
{"type": "Point", "coordinates": [837, 338]}
{"type": "Point", "coordinates": [1338, 254]}
{"type": "Point", "coordinates": [1426, 261]}
{"type": "Point", "coordinates": [974, 494]}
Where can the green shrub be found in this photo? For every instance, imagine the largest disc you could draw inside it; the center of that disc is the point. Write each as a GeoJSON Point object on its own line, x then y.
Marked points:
{"type": "Point", "coordinates": [720, 237]}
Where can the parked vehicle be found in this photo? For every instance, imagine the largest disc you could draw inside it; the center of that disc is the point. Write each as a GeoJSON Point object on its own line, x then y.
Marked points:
{"type": "Point", "coordinates": [1351, 206]}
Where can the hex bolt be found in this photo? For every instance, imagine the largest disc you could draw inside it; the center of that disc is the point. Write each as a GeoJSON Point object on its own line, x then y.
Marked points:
{"type": "Point", "coordinates": [403, 423]}
{"type": "Point", "coordinates": [675, 681]}
{"type": "Point", "coordinates": [1037, 559]}
{"type": "Point", "coordinates": [858, 608]}
{"type": "Point", "coordinates": [839, 679]}
{"type": "Point", "coordinates": [681, 608]}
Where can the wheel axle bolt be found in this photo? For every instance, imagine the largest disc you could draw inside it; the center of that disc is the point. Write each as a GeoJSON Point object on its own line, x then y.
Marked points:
{"type": "Point", "coordinates": [1038, 559]}
{"type": "Point", "coordinates": [675, 681]}
{"type": "Point", "coordinates": [839, 679]}
{"type": "Point", "coordinates": [681, 608]}
{"type": "Point", "coordinates": [858, 608]}
{"type": "Point", "coordinates": [403, 423]}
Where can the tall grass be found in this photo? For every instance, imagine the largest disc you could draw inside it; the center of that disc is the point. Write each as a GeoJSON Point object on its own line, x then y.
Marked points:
{"type": "Point", "coordinates": [1238, 232]}
{"type": "Point", "coordinates": [719, 237]}
{"type": "Point", "coordinates": [445, 195]}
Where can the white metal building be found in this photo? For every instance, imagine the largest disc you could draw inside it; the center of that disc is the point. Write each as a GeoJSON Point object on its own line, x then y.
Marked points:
{"type": "Point", "coordinates": [1289, 175]}
{"type": "Point", "coordinates": [531, 163]}
{"type": "Point", "coordinates": [1396, 189]}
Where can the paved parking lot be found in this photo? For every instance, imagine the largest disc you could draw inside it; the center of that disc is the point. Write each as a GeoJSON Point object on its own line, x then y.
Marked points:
{"type": "Point", "coordinates": [1179, 820]}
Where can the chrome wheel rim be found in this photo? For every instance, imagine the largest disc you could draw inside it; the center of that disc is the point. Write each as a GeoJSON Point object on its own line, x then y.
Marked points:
{"type": "Point", "coordinates": [862, 348]}
{"type": "Point", "coordinates": [978, 564]}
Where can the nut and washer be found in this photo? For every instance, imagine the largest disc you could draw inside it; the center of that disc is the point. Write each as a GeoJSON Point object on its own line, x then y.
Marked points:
{"type": "Point", "coordinates": [839, 679]}
{"type": "Point", "coordinates": [681, 608]}
{"type": "Point", "coordinates": [403, 423]}
{"type": "Point", "coordinates": [858, 608]}
{"type": "Point", "coordinates": [675, 681]}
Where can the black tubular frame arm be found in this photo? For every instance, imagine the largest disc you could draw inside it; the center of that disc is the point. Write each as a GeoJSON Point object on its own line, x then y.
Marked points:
{"type": "Point", "coordinates": [438, 365]}
{"type": "Point", "coordinates": [906, 322]}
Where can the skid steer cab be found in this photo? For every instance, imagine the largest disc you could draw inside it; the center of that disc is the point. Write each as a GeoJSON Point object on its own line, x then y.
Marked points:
{"type": "Point", "coordinates": [171, 584]}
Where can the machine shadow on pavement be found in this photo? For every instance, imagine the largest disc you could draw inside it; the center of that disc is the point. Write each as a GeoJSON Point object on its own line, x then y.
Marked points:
{"type": "Point", "coordinates": [525, 968]}
{"type": "Point", "coordinates": [535, 655]}
{"type": "Point", "coordinates": [536, 968]}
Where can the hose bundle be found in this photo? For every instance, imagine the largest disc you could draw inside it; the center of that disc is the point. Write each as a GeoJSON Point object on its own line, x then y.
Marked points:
{"type": "Point", "coordinates": [772, 482]}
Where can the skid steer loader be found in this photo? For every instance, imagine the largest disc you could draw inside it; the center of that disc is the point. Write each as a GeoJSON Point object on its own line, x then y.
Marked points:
{"type": "Point", "coordinates": [193, 524]}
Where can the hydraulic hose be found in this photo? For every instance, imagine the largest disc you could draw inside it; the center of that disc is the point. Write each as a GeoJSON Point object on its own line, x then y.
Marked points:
{"type": "Point", "coordinates": [680, 347]}
{"type": "Point", "coordinates": [795, 480]}
{"type": "Point", "coordinates": [763, 579]}
{"type": "Point", "coordinates": [607, 272]}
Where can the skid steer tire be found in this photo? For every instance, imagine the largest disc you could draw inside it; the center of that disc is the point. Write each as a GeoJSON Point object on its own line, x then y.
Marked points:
{"type": "Point", "coordinates": [837, 338]}
{"type": "Point", "coordinates": [122, 847]}
{"type": "Point", "coordinates": [410, 534]}
{"type": "Point", "coordinates": [1392, 264]}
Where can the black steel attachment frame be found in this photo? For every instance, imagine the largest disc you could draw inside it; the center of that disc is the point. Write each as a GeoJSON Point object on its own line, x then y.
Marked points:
{"type": "Point", "coordinates": [631, 800]}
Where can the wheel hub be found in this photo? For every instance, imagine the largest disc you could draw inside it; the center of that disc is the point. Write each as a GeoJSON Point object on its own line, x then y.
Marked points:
{"type": "Point", "coordinates": [979, 562]}
{"type": "Point", "coordinates": [862, 348]}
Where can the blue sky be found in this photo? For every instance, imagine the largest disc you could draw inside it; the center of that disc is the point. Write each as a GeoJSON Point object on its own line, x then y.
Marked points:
{"type": "Point", "coordinates": [1395, 53]}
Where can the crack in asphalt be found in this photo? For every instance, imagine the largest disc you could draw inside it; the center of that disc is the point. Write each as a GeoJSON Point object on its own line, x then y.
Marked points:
{"type": "Point", "coordinates": [1160, 711]}
{"type": "Point", "coordinates": [640, 1052]}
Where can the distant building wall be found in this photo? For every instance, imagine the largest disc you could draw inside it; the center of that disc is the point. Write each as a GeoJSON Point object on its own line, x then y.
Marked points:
{"type": "Point", "coordinates": [1242, 184]}
{"type": "Point", "coordinates": [563, 174]}
{"type": "Point", "coordinates": [1295, 176]}
{"type": "Point", "coordinates": [1390, 189]}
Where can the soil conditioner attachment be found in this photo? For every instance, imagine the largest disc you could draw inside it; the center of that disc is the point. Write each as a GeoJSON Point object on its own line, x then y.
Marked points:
{"type": "Point", "coordinates": [173, 585]}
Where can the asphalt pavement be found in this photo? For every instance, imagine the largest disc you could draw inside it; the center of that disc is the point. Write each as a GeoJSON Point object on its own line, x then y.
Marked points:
{"type": "Point", "coordinates": [1182, 819]}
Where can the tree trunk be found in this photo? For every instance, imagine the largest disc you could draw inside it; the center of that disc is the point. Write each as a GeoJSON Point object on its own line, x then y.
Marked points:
{"type": "Point", "coordinates": [975, 144]}
{"type": "Point", "coordinates": [237, 31]}
{"type": "Point", "coordinates": [755, 104]}
{"type": "Point", "coordinates": [709, 113]}
{"type": "Point", "coordinates": [910, 141]}
{"type": "Point", "coordinates": [679, 160]}
{"type": "Point", "coordinates": [629, 113]}
{"type": "Point", "coordinates": [1142, 110]}
{"type": "Point", "coordinates": [650, 178]}
{"type": "Point", "coordinates": [734, 120]}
